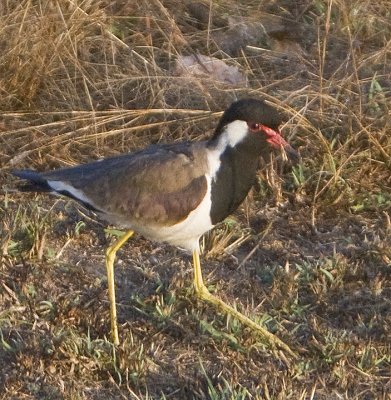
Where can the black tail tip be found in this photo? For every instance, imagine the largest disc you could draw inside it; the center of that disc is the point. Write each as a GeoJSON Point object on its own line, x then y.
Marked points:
{"type": "Point", "coordinates": [35, 182]}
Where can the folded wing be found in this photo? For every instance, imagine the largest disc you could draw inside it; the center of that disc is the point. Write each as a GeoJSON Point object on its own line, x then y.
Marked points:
{"type": "Point", "coordinates": [160, 185]}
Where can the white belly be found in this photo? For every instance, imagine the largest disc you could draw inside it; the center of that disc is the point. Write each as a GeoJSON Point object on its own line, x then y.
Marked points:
{"type": "Point", "coordinates": [185, 234]}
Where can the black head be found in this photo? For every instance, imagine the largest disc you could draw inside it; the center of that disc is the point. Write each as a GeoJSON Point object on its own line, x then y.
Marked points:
{"type": "Point", "coordinates": [251, 111]}
{"type": "Point", "coordinates": [262, 128]}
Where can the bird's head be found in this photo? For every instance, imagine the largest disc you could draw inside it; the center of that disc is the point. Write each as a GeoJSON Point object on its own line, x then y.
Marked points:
{"type": "Point", "coordinates": [254, 120]}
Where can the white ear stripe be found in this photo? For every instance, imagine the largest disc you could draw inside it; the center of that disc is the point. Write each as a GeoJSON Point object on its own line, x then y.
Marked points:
{"type": "Point", "coordinates": [234, 133]}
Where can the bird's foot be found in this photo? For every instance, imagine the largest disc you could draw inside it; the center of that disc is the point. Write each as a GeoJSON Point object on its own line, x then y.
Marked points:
{"type": "Point", "coordinates": [204, 294]}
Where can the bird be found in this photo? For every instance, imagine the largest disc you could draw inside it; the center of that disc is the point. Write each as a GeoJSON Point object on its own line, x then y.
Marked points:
{"type": "Point", "coordinates": [175, 192]}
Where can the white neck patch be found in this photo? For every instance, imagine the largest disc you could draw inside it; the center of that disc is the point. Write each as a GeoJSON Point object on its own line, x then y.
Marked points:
{"type": "Point", "coordinates": [232, 134]}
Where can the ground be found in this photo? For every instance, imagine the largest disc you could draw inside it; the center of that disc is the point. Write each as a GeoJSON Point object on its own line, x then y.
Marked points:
{"type": "Point", "coordinates": [308, 254]}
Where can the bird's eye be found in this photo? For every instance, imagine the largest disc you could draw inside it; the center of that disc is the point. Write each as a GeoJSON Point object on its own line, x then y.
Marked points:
{"type": "Point", "coordinates": [254, 126]}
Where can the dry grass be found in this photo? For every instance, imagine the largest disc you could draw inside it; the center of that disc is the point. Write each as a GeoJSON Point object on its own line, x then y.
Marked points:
{"type": "Point", "coordinates": [309, 250]}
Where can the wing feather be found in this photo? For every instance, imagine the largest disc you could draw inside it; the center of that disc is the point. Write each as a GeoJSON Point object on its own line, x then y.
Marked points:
{"type": "Point", "coordinates": [160, 185]}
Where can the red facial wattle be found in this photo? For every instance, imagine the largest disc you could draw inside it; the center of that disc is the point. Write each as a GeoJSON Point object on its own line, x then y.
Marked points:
{"type": "Point", "coordinates": [275, 139]}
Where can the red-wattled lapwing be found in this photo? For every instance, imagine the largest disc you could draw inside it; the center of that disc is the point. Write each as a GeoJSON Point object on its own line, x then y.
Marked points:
{"type": "Point", "coordinates": [174, 192]}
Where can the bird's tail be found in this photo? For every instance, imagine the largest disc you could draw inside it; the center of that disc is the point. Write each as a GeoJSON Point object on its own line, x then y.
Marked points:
{"type": "Point", "coordinates": [34, 182]}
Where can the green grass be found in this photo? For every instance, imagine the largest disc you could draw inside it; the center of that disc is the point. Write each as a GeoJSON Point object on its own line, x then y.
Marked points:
{"type": "Point", "coordinates": [307, 254]}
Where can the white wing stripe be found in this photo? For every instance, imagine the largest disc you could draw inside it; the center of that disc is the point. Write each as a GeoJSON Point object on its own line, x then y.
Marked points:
{"type": "Point", "coordinates": [59, 186]}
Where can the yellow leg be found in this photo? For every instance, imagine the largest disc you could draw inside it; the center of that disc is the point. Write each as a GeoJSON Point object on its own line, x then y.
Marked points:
{"type": "Point", "coordinates": [110, 257]}
{"type": "Point", "coordinates": [204, 294]}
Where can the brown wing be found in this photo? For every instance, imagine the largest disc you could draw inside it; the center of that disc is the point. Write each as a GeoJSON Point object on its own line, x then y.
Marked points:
{"type": "Point", "coordinates": [159, 185]}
